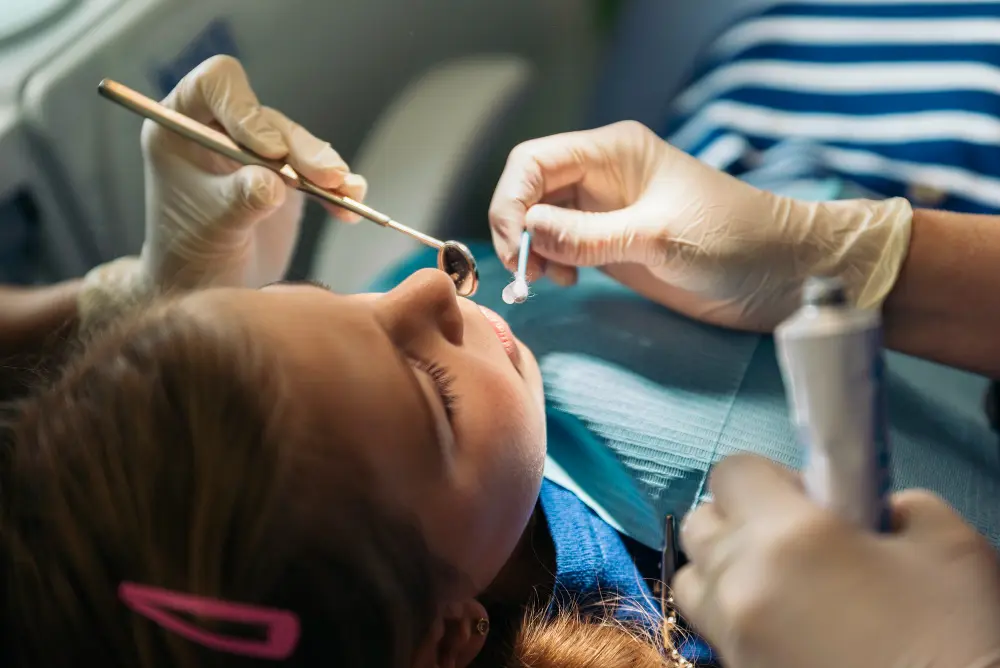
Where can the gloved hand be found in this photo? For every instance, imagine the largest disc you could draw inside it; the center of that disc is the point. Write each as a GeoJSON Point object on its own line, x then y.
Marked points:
{"type": "Point", "coordinates": [209, 221]}
{"type": "Point", "coordinates": [684, 234]}
{"type": "Point", "coordinates": [775, 581]}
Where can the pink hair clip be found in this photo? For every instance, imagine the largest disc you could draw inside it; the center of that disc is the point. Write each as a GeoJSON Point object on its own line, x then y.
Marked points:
{"type": "Point", "coordinates": [157, 605]}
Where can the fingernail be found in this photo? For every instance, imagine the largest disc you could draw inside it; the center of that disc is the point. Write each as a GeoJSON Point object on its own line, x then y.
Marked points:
{"type": "Point", "coordinates": [327, 158]}
{"type": "Point", "coordinates": [561, 276]}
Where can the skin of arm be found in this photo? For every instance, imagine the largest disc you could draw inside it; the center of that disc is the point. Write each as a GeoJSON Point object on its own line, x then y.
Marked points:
{"type": "Point", "coordinates": [35, 322]}
{"type": "Point", "coordinates": [945, 305]}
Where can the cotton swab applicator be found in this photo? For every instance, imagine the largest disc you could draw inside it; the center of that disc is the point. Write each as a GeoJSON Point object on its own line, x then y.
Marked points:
{"type": "Point", "coordinates": [516, 291]}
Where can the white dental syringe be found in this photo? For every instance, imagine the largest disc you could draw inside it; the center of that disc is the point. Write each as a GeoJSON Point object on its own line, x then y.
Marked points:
{"type": "Point", "coordinates": [832, 364]}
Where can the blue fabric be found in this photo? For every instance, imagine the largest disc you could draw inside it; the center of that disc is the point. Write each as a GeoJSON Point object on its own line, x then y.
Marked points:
{"type": "Point", "coordinates": [592, 564]}
{"type": "Point", "coordinates": [856, 64]}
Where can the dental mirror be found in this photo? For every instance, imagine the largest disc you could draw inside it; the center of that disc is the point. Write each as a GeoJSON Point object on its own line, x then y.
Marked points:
{"type": "Point", "coordinates": [456, 260]}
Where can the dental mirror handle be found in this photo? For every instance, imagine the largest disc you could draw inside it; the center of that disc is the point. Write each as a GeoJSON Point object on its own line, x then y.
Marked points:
{"type": "Point", "coordinates": [219, 142]}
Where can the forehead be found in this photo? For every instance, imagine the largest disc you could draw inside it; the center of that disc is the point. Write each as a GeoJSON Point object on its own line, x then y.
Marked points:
{"type": "Point", "coordinates": [347, 380]}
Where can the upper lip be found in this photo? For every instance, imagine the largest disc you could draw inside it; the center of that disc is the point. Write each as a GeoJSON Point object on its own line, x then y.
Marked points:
{"type": "Point", "coordinates": [501, 324]}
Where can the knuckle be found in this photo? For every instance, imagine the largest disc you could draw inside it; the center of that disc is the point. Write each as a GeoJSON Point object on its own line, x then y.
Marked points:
{"type": "Point", "coordinates": [633, 128]}
{"type": "Point", "coordinates": [218, 65]}
{"type": "Point", "coordinates": [525, 151]}
{"type": "Point", "coordinates": [498, 219]}
{"type": "Point", "coordinates": [630, 125]}
{"type": "Point", "coordinates": [802, 540]}
{"type": "Point", "coordinates": [751, 591]}
{"type": "Point", "coordinates": [557, 240]}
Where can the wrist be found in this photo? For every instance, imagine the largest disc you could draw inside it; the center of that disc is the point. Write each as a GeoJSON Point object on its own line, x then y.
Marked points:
{"type": "Point", "coordinates": [945, 307]}
{"type": "Point", "coordinates": [864, 242]}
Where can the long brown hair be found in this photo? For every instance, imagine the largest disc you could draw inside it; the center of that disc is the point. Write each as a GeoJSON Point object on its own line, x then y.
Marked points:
{"type": "Point", "coordinates": [162, 456]}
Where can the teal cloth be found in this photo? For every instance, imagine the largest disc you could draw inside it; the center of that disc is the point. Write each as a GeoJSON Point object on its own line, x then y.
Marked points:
{"type": "Point", "coordinates": [642, 402]}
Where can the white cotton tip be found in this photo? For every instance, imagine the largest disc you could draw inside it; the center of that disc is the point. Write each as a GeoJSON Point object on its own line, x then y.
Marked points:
{"type": "Point", "coordinates": [520, 290]}
{"type": "Point", "coordinates": [516, 292]}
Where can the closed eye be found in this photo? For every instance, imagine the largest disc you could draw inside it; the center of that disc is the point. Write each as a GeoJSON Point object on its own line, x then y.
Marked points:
{"type": "Point", "coordinates": [443, 381]}
{"type": "Point", "coordinates": [305, 281]}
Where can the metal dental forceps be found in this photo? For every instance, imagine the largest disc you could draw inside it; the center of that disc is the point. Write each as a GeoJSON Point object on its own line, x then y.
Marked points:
{"type": "Point", "coordinates": [453, 258]}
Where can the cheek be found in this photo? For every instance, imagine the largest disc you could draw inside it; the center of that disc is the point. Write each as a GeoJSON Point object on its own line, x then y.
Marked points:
{"type": "Point", "coordinates": [500, 456]}
{"type": "Point", "coordinates": [505, 435]}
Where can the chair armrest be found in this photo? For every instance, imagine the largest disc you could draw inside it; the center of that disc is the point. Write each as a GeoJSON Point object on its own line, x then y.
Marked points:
{"type": "Point", "coordinates": [417, 159]}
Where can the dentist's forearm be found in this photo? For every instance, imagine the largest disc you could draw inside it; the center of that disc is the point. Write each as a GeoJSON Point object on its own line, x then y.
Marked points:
{"type": "Point", "coordinates": [35, 323]}
{"type": "Point", "coordinates": [29, 317]}
{"type": "Point", "coordinates": [945, 305]}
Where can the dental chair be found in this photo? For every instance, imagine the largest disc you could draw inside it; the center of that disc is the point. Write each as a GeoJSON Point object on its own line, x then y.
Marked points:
{"type": "Point", "coordinates": [641, 401]}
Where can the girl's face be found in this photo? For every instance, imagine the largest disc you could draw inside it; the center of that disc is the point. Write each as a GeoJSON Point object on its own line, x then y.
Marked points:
{"type": "Point", "coordinates": [433, 391]}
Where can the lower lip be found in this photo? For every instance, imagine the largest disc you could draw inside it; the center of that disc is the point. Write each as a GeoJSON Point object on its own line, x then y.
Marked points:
{"type": "Point", "coordinates": [502, 330]}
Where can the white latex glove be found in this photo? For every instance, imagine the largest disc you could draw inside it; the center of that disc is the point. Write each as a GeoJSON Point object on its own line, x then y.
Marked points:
{"type": "Point", "coordinates": [209, 221]}
{"type": "Point", "coordinates": [684, 234]}
{"type": "Point", "coordinates": [774, 581]}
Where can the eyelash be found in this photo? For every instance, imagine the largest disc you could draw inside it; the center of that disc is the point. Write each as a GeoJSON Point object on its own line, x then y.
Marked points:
{"type": "Point", "coordinates": [318, 284]}
{"type": "Point", "coordinates": [443, 381]}
{"type": "Point", "coordinates": [305, 281]}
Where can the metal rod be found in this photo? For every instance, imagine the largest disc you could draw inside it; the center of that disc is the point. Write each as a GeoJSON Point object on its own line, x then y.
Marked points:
{"type": "Point", "coordinates": [219, 142]}
{"type": "Point", "coordinates": [668, 565]}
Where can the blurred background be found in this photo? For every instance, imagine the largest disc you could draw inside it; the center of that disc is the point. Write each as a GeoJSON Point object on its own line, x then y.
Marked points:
{"type": "Point", "coordinates": [423, 97]}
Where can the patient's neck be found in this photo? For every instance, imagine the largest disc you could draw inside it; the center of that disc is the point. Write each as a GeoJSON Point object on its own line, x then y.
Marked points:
{"type": "Point", "coordinates": [525, 582]}
{"type": "Point", "coordinates": [529, 574]}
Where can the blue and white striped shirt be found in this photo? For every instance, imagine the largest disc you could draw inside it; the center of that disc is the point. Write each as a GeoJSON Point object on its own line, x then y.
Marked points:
{"type": "Point", "coordinates": [895, 96]}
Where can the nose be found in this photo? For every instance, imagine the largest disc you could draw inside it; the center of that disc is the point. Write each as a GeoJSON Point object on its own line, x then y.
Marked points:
{"type": "Point", "coordinates": [425, 304]}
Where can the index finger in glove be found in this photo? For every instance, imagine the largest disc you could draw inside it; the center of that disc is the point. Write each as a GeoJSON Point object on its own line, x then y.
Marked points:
{"type": "Point", "coordinates": [218, 90]}
{"type": "Point", "coordinates": [316, 160]}
{"type": "Point", "coordinates": [309, 155]}
{"type": "Point", "coordinates": [534, 169]}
